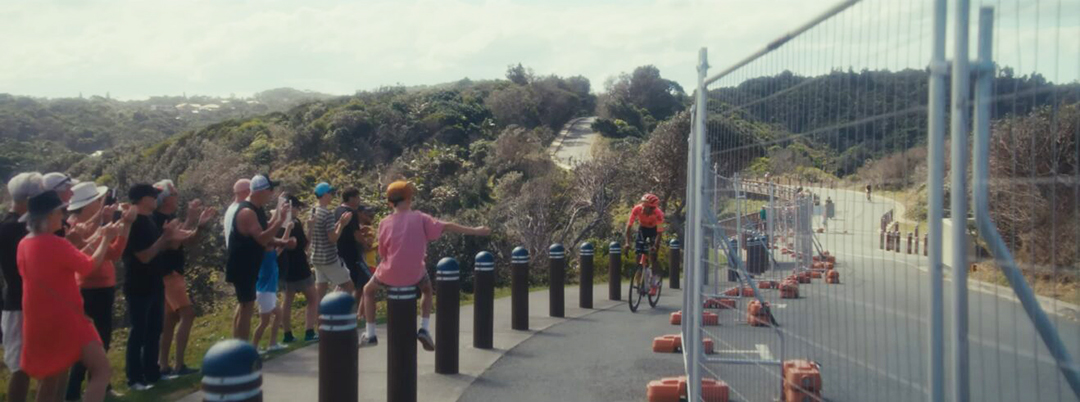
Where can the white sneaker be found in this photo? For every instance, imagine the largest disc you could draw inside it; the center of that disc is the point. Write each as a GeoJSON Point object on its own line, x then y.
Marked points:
{"type": "Point", "coordinates": [276, 347]}
{"type": "Point", "coordinates": [140, 386]}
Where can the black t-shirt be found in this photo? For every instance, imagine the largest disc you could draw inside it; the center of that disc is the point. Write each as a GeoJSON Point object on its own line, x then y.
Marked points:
{"type": "Point", "coordinates": [142, 278]}
{"type": "Point", "coordinates": [170, 260]}
{"type": "Point", "coordinates": [347, 247]}
{"type": "Point", "coordinates": [293, 264]}
{"type": "Point", "coordinates": [11, 232]}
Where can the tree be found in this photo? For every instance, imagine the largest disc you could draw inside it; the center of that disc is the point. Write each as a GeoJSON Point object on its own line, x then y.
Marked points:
{"type": "Point", "coordinates": [664, 158]}
{"type": "Point", "coordinates": [519, 74]}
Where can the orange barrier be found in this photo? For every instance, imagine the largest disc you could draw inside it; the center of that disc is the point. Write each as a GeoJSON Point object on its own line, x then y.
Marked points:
{"type": "Point", "coordinates": [830, 265]}
{"type": "Point", "coordinates": [707, 318]}
{"type": "Point", "coordinates": [832, 277]}
{"type": "Point", "coordinates": [768, 285]}
{"type": "Point", "coordinates": [720, 303]}
{"type": "Point", "coordinates": [803, 277]}
{"type": "Point", "coordinates": [673, 389]}
{"type": "Point", "coordinates": [802, 379]}
{"type": "Point", "coordinates": [818, 264]}
{"type": "Point", "coordinates": [817, 259]}
{"type": "Point", "coordinates": [789, 290]}
{"type": "Point", "coordinates": [831, 259]}
{"type": "Point", "coordinates": [816, 274]}
{"type": "Point", "coordinates": [746, 291]}
{"type": "Point", "coordinates": [758, 315]}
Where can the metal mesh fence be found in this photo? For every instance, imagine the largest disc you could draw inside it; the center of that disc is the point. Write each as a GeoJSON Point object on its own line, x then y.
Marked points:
{"type": "Point", "coordinates": [819, 175]}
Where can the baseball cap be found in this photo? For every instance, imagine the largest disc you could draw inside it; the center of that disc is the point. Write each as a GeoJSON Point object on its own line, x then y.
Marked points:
{"type": "Point", "coordinates": [322, 188]}
{"type": "Point", "coordinates": [262, 182]}
{"type": "Point", "coordinates": [24, 185]}
{"type": "Point", "coordinates": [399, 191]}
{"type": "Point", "coordinates": [57, 181]}
{"type": "Point", "coordinates": [42, 204]}
{"type": "Point", "coordinates": [142, 190]}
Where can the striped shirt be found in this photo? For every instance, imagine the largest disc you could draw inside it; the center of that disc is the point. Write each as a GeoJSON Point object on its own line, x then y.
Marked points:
{"type": "Point", "coordinates": [323, 251]}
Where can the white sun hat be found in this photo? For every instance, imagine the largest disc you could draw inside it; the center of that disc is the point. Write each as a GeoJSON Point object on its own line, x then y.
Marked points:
{"type": "Point", "coordinates": [85, 193]}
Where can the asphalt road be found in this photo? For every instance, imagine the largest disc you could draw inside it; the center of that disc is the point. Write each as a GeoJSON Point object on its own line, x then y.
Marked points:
{"type": "Point", "coordinates": [870, 333]}
{"type": "Point", "coordinates": [577, 145]}
{"type": "Point", "coordinates": [605, 356]}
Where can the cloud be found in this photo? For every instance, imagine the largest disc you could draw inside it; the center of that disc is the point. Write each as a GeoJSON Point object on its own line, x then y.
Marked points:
{"type": "Point", "coordinates": [135, 49]}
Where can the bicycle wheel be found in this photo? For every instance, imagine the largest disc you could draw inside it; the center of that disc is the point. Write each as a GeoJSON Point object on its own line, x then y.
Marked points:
{"type": "Point", "coordinates": [655, 298]}
{"type": "Point", "coordinates": [637, 288]}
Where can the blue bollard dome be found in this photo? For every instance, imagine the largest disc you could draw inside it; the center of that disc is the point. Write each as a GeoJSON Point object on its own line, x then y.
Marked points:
{"type": "Point", "coordinates": [587, 248]}
{"type": "Point", "coordinates": [485, 257]}
{"type": "Point", "coordinates": [231, 358]}
{"type": "Point", "coordinates": [447, 264]}
{"type": "Point", "coordinates": [615, 247]}
{"type": "Point", "coordinates": [520, 255]}
{"type": "Point", "coordinates": [556, 251]}
{"type": "Point", "coordinates": [336, 303]}
{"type": "Point", "coordinates": [675, 244]}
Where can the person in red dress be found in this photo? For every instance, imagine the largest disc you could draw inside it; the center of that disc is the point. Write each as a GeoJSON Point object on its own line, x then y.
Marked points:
{"type": "Point", "coordinates": [56, 333]}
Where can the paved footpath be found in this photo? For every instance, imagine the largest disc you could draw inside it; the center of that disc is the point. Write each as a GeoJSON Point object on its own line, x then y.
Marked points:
{"type": "Point", "coordinates": [294, 376]}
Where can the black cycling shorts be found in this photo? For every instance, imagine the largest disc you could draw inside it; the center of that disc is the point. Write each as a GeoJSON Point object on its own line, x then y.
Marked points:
{"type": "Point", "coordinates": [646, 237]}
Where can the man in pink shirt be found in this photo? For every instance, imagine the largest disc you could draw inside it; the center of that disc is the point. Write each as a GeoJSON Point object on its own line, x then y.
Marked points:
{"type": "Point", "coordinates": [403, 240]}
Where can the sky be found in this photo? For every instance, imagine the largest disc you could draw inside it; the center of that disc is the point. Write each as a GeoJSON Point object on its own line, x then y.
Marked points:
{"type": "Point", "coordinates": [133, 49]}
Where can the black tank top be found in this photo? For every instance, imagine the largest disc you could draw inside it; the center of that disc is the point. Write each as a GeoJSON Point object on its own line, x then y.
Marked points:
{"type": "Point", "coordinates": [245, 254]}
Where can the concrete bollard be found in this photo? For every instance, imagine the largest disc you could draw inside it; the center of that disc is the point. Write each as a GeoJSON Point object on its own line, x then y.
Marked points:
{"type": "Point", "coordinates": [674, 262]}
{"type": "Point", "coordinates": [519, 289]}
{"type": "Point", "coordinates": [614, 271]}
{"type": "Point", "coordinates": [339, 368]}
{"type": "Point", "coordinates": [586, 258]}
{"type": "Point", "coordinates": [232, 371]}
{"type": "Point", "coordinates": [401, 343]}
{"type": "Point", "coordinates": [556, 280]}
{"type": "Point", "coordinates": [484, 300]}
{"type": "Point", "coordinates": [447, 318]}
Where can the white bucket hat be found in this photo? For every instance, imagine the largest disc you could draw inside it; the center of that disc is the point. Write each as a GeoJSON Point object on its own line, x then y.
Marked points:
{"type": "Point", "coordinates": [85, 193]}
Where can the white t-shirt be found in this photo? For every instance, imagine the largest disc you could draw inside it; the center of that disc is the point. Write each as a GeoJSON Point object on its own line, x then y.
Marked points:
{"type": "Point", "coordinates": [227, 221]}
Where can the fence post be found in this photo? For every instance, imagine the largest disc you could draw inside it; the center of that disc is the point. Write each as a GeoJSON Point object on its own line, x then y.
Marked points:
{"type": "Point", "coordinates": [935, 173]}
{"type": "Point", "coordinates": [401, 343]}
{"type": "Point", "coordinates": [674, 262]}
{"type": "Point", "coordinates": [585, 297]}
{"type": "Point", "coordinates": [614, 271]}
{"type": "Point", "coordinates": [339, 368]}
{"type": "Point", "coordinates": [519, 289]}
{"type": "Point", "coordinates": [556, 280]}
{"type": "Point", "coordinates": [232, 371]}
{"type": "Point", "coordinates": [484, 300]}
{"type": "Point", "coordinates": [447, 318]}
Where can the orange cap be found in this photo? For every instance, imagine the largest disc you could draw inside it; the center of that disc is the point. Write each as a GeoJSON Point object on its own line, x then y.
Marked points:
{"type": "Point", "coordinates": [399, 191]}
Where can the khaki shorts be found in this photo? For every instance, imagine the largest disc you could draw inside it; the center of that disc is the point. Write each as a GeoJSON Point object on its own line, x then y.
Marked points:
{"type": "Point", "coordinates": [176, 296]}
{"type": "Point", "coordinates": [12, 325]}
{"type": "Point", "coordinates": [335, 274]}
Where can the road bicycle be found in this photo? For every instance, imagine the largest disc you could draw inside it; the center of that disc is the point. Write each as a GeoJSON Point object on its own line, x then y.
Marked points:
{"type": "Point", "coordinates": [644, 283]}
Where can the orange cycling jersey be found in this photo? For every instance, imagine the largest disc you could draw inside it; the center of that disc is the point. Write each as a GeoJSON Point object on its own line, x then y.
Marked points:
{"type": "Point", "coordinates": [649, 221]}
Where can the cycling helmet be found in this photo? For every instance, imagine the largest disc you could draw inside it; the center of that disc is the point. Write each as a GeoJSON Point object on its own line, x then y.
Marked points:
{"type": "Point", "coordinates": [650, 200]}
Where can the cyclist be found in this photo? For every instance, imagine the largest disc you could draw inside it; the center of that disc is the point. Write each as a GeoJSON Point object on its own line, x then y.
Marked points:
{"type": "Point", "coordinates": [650, 225]}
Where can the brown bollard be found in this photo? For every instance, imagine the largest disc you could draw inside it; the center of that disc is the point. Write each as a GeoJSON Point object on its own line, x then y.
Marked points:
{"type": "Point", "coordinates": [896, 240]}
{"type": "Point", "coordinates": [586, 260]}
{"type": "Point", "coordinates": [447, 318]}
{"type": "Point", "coordinates": [401, 344]}
{"type": "Point", "coordinates": [557, 280]}
{"type": "Point", "coordinates": [519, 289]}
{"type": "Point", "coordinates": [339, 368]}
{"type": "Point", "coordinates": [910, 238]}
{"type": "Point", "coordinates": [925, 245]}
{"type": "Point", "coordinates": [614, 271]}
{"type": "Point", "coordinates": [882, 244]}
{"type": "Point", "coordinates": [484, 300]}
{"type": "Point", "coordinates": [232, 372]}
{"type": "Point", "coordinates": [674, 262]}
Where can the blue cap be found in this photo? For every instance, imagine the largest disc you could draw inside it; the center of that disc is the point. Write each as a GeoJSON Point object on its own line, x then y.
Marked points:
{"type": "Point", "coordinates": [231, 358]}
{"type": "Point", "coordinates": [322, 188]}
{"type": "Point", "coordinates": [337, 303]}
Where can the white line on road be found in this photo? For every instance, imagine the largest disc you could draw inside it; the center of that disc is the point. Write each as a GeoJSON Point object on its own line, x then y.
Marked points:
{"type": "Point", "coordinates": [764, 351]}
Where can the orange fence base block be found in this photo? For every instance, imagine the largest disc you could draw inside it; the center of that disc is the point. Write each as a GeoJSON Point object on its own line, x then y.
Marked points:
{"type": "Point", "coordinates": [720, 303]}
{"type": "Point", "coordinates": [707, 344]}
{"type": "Point", "coordinates": [802, 375]}
{"type": "Point", "coordinates": [768, 285]}
{"type": "Point", "coordinates": [713, 390]}
{"type": "Point", "coordinates": [829, 266]}
{"type": "Point", "coordinates": [664, 390]}
{"type": "Point", "coordinates": [816, 274]}
{"type": "Point", "coordinates": [708, 318]}
{"type": "Point", "coordinates": [667, 344]}
{"type": "Point", "coordinates": [676, 318]}
{"type": "Point", "coordinates": [831, 259]}
{"type": "Point", "coordinates": [796, 395]}
{"type": "Point", "coordinates": [832, 277]}
{"type": "Point", "coordinates": [789, 290]}
{"type": "Point", "coordinates": [803, 277]}
{"type": "Point", "coordinates": [757, 315]}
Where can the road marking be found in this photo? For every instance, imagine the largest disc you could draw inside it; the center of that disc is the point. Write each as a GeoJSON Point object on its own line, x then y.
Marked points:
{"type": "Point", "coordinates": [780, 305]}
{"type": "Point", "coordinates": [764, 351]}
